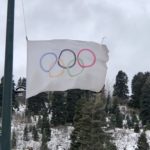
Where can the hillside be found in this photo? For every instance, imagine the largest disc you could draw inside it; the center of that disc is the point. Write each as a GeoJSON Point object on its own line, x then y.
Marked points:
{"type": "Point", "coordinates": [60, 136]}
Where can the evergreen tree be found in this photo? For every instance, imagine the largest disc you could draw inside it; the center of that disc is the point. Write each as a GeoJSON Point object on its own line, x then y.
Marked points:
{"type": "Point", "coordinates": [44, 141]}
{"type": "Point", "coordinates": [134, 118]}
{"type": "Point", "coordinates": [30, 128]}
{"type": "Point", "coordinates": [25, 134]}
{"type": "Point", "coordinates": [88, 133]}
{"type": "Point", "coordinates": [116, 116]}
{"type": "Point", "coordinates": [46, 127]}
{"type": "Point", "coordinates": [115, 105]}
{"type": "Point", "coordinates": [23, 82]}
{"type": "Point", "coordinates": [136, 85]}
{"type": "Point", "coordinates": [35, 134]}
{"type": "Point", "coordinates": [145, 103]}
{"type": "Point", "coordinates": [138, 82]}
{"type": "Point", "coordinates": [129, 122]}
{"type": "Point", "coordinates": [112, 123]}
{"type": "Point", "coordinates": [19, 82]}
{"type": "Point", "coordinates": [14, 140]}
{"type": "Point", "coordinates": [107, 107]}
{"type": "Point", "coordinates": [72, 98]}
{"type": "Point", "coordinates": [59, 113]}
{"type": "Point", "coordinates": [142, 142]}
{"type": "Point", "coordinates": [39, 123]}
{"type": "Point", "coordinates": [121, 87]}
{"type": "Point", "coordinates": [147, 127]}
{"type": "Point", "coordinates": [78, 115]}
{"type": "Point", "coordinates": [119, 118]}
{"type": "Point", "coordinates": [36, 104]}
{"type": "Point", "coordinates": [136, 128]}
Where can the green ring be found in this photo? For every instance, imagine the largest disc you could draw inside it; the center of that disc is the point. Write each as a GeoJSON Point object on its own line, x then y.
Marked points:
{"type": "Point", "coordinates": [68, 69]}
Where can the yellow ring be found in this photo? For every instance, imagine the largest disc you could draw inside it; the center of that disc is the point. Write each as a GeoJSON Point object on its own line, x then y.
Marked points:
{"type": "Point", "coordinates": [59, 74]}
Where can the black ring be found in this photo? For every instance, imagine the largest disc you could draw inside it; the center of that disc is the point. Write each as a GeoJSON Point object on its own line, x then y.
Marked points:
{"type": "Point", "coordinates": [60, 56]}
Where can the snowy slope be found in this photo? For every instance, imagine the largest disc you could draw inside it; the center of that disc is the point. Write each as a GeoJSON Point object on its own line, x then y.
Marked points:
{"type": "Point", "coordinates": [124, 139]}
{"type": "Point", "coordinates": [60, 136]}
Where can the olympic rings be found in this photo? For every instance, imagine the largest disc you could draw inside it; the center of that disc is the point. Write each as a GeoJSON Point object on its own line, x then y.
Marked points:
{"type": "Point", "coordinates": [73, 62]}
{"type": "Point", "coordinates": [59, 74]}
{"type": "Point", "coordinates": [41, 59]}
{"type": "Point", "coordinates": [58, 60]}
{"type": "Point", "coordinates": [73, 75]}
{"type": "Point", "coordinates": [93, 54]}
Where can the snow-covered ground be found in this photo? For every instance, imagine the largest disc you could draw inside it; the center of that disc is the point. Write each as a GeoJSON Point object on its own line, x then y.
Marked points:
{"type": "Point", "coordinates": [124, 139]}
{"type": "Point", "coordinates": [60, 136]}
{"type": "Point", "coordinates": [60, 139]}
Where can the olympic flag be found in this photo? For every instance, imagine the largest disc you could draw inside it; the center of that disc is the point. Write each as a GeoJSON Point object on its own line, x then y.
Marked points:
{"type": "Point", "coordinates": [59, 65]}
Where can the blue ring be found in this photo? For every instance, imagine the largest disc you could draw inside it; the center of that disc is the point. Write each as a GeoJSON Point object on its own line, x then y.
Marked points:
{"type": "Point", "coordinates": [42, 57]}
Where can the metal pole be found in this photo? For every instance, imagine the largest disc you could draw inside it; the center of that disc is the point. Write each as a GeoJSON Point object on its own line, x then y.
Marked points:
{"type": "Point", "coordinates": [7, 89]}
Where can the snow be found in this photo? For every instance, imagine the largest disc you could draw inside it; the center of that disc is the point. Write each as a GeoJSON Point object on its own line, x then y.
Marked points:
{"type": "Point", "coordinates": [125, 138]}
{"type": "Point", "coordinates": [60, 139]}
{"type": "Point", "coordinates": [60, 136]}
{"type": "Point", "coordinates": [148, 136]}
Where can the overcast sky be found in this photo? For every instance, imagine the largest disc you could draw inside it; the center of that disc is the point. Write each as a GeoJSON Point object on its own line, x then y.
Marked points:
{"type": "Point", "coordinates": [125, 24]}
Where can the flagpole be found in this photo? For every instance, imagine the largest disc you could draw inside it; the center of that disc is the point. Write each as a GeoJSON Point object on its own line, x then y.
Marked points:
{"type": "Point", "coordinates": [7, 89]}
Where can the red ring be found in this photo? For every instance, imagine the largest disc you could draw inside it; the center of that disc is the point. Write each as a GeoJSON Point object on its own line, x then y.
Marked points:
{"type": "Point", "coordinates": [93, 54]}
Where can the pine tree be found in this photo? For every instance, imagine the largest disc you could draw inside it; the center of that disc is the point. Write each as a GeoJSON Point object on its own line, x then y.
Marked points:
{"type": "Point", "coordinates": [88, 133]}
{"type": "Point", "coordinates": [138, 82]}
{"type": "Point", "coordinates": [14, 140]}
{"type": "Point", "coordinates": [135, 119]}
{"type": "Point", "coordinates": [116, 116]}
{"type": "Point", "coordinates": [46, 127]}
{"type": "Point", "coordinates": [30, 128]}
{"type": "Point", "coordinates": [36, 104]}
{"type": "Point", "coordinates": [25, 134]}
{"type": "Point", "coordinates": [142, 142]}
{"type": "Point", "coordinates": [147, 127]}
{"type": "Point", "coordinates": [44, 141]}
{"type": "Point", "coordinates": [119, 118]}
{"type": "Point", "coordinates": [58, 109]}
{"type": "Point", "coordinates": [121, 87]}
{"type": "Point", "coordinates": [23, 82]}
{"type": "Point", "coordinates": [136, 128]}
{"type": "Point", "coordinates": [78, 115]}
{"type": "Point", "coordinates": [72, 98]}
{"type": "Point", "coordinates": [107, 107]}
{"type": "Point", "coordinates": [136, 85]}
{"type": "Point", "coordinates": [19, 82]}
{"type": "Point", "coordinates": [39, 123]}
{"type": "Point", "coordinates": [115, 105]}
{"type": "Point", "coordinates": [112, 123]}
{"type": "Point", "coordinates": [35, 134]}
{"type": "Point", "coordinates": [129, 122]}
{"type": "Point", "coordinates": [145, 103]}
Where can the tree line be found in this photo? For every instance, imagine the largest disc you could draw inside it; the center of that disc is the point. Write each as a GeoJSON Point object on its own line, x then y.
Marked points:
{"type": "Point", "coordinates": [92, 114]}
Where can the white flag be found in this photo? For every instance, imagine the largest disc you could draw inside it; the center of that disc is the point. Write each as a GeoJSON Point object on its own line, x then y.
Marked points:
{"type": "Point", "coordinates": [59, 65]}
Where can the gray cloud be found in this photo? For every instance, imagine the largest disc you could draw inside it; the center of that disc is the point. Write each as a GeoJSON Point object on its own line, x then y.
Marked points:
{"type": "Point", "coordinates": [125, 24]}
